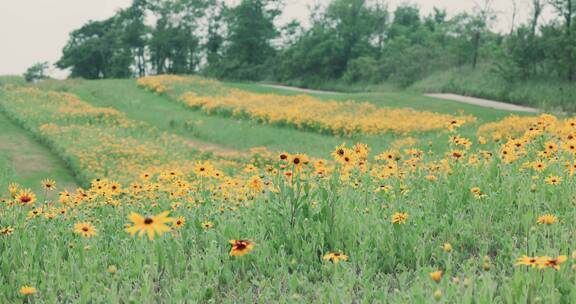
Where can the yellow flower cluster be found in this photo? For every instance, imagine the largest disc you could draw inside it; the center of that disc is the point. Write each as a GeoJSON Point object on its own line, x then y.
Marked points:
{"type": "Point", "coordinates": [95, 141]}
{"type": "Point", "coordinates": [160, 84]}
{"type": "Point", "coordinates": [301, 111]}
{"type": "Point", "coordinates": [306, 112]}
{"type": "Point", "coordinates": [514, 126]}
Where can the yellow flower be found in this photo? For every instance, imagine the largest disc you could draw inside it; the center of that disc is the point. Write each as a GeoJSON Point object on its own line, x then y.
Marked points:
{"type": "Point", "coordinates": [436, 276]}
{"type": "Point", "coordinates": [49, 184]}
{"type": "Point", "coordinates": [13, 189]}
{"type": "Point", "coordinates": [240, 247]}
{"type": "Point", "coordinates": [476, 190]}
{"type": "Point", "coordinates": [447, 247]}
{"type": "Point", "coordinates": [399, 218]}
{"type": "Point", "coordinates": [298, 161]}
{"type": "Point", "coordinates": [7, 230]}
{"type": "Point", "coordinates": [551, 146]}
{"type": "Point", "coordinates": [527, 261]}
{"type": "Point", "coordinates": [26, 197]}
{"type": "Point", "coordinates": [150, 225]}
{"type": "Point", "coordinates": [112, 269]}
{"type": "Point", "coordinates": [547, 261]}
{"type": "Point", "coordinates": [553, 180]}
{"type": "Point", "coordinates": [27, 290]}
{"type": "Point", "coordinates": [85, 229]}
{"type": "Point", "coordinates": [539, 166]}
{"type": "Point", "coordinates": [207, 225]}
{"type": "Point", "coordinates": [335, 257]}
{"type": "Point", "coordinates": [547, 219]}
{"type": "Point", "coordinates": [180, 221]}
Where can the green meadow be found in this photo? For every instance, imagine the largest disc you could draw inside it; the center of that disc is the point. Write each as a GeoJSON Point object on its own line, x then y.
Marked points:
{"type": "Point", "coordinates": [442, 219]}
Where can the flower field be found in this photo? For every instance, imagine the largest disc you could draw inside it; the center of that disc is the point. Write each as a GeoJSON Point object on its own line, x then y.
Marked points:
{"type": "Point", "coordinates": [491, 220]}
{"type": "Point", "coordinates": [301, 111]}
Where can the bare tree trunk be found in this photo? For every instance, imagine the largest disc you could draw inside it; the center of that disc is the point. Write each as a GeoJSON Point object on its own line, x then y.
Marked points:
{"type": "Point", "coordinates": [537, 8]}
{"type": "Point", "coordinates": [514, 13]}
{"type": "Point", "coordinates": [476, 50]}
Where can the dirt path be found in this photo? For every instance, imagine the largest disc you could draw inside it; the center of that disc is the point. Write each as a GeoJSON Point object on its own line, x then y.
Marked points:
{"type": "Point", "coordinates": [485, 103]}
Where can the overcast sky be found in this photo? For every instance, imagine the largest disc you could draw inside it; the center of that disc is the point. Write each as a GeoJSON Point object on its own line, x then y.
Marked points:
{"type": "Point", "coordinates": [36, 30]}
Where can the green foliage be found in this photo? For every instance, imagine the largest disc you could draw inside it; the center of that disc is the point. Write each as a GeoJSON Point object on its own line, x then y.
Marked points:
{"type": "Point", "coordinates": [36, 72]}
{"type": "Point", "coordinates": [347, 43]}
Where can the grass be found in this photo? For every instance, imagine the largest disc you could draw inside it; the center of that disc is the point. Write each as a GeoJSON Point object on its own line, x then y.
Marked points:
{"type": "Point", "coordinates": [295, 212]}
{"type": "Point", "coordinates": [26, 161]}
{"type": "Point", "coordinates": [169, 116]}
{"type": "Point", "coordinates": [545, 94]}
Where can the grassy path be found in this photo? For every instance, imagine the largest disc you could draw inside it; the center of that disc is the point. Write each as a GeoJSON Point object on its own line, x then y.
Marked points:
{"type": "Point", "coordinates": [224, 135]}
{"type": "Point", "coordinates": [25, 161]}
{"type": "Point", "coordinates": [200, 129]}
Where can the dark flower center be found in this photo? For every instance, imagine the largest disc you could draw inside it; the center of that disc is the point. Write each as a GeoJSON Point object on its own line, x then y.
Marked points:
{"type": "Point", "coordinates": [85, 229]}
{"type": "Point", "coordinates": [148, 221]}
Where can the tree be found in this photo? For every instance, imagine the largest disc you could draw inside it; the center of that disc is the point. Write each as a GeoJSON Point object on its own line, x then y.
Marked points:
{"type": "Point", "coordinates": [537, 9]}
{"type": "Point", "coordinates": [91, 50]}
{"type": "Point", "coordinates": [36, 72]}
{"type": "Point", "coordinates": [479, 24]}
{"type": "Point", "coordinates": [566, 10]}
{"type": "Point", "coordinates": [251, 29]}
{"type": "Point", "coordinates": [175, 42]}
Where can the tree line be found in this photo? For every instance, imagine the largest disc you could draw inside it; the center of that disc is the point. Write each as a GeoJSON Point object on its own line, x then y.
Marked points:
{"type": "Point", "coordinates": [344, 40]}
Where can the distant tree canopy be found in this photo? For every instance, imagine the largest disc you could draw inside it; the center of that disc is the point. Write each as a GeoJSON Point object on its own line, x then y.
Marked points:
{"type": "Point", "coordinates": [346, 40]}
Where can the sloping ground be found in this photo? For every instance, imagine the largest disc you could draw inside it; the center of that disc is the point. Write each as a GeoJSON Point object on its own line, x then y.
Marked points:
{"type": "Point", "coordinates": [25, 161]}
{"type": "Point", "coordinates": [485, 103]}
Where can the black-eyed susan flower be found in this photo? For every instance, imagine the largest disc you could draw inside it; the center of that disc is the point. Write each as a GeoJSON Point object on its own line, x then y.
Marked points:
{"type": "Point", "coordinates": [298, 161]}
{"type": "Point", "coordinates": [150, 225]}
{"type": "Point", "coordinates": [27, 290]}
{"type": "Point", "coordinates": [283, 156]}
{"type": "Point", "coordinates": [335, 257]}
{"type": "Point", "coordinates": [8, 230]}
{"type": "Point", "coordinates": [553, 180]}
{"type": "Point", "coordinates": [49, 184]}
{"type": "Point", "coordinates": [85, 229]}
{"type": "Point", "coordinates": [26, 197]}
{"type": "Point", "coordinates": [207, 225]}
{"type": "Point", "coordinates": [547, 261]}
{"type": "Point", "coordinates": [547, 219]}
{"type": "Point", "coordinates": [179, 222]}
{"type": "Point", "coordinates": [527, 261]}
{"type": "Point", "coordinates": [399, 218]}
{"type": "Point", "coordinates": [241, 247]}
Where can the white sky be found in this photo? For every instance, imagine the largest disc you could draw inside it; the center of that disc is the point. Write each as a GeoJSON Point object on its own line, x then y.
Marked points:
{"type": "Point", "coordinates": [36, 30]}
